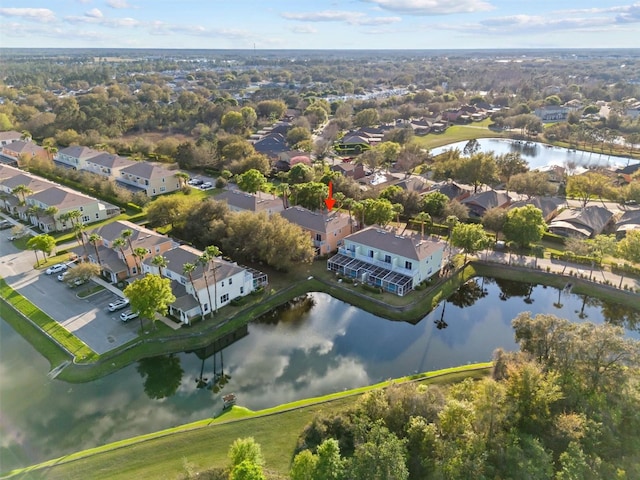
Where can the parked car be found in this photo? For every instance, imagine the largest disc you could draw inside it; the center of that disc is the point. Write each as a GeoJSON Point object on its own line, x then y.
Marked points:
{"type": "Point", "coordinates": [57, 268]}
{"type": "Point", "coordinates": [4, 224]}
{"type": "Point", "coordinates": [62, 276]}
{"type": "Point", "coordinates": [118, 304]}
{"type": "Point", "coordinates": [206, 186]}
{"type": "Point", "coordinates": [128, 315]}
{"type": "Point", "coordinates": [195, 182]}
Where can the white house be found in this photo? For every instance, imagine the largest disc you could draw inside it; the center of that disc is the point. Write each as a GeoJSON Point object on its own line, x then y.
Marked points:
{"type": "Point", "coordinates": [207, 288]}
{"type": "Point", "coordinates": [383, 258]}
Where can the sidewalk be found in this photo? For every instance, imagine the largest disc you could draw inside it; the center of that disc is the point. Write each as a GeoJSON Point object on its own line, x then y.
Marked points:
{"type": "Point", "coordinates": [563, 268]}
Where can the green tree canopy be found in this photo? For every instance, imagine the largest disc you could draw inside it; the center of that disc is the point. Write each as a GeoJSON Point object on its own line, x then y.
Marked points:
{"type": "Point", "coordinates": [470, 237]}
{"type": "Point", "coordinates": [150, 295]}
{"type": "Point", "coordinates": [524, 225]}
{"type": "Point", "coordinates": [251, 181]}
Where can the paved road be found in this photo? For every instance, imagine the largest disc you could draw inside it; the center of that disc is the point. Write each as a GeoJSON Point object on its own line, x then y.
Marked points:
{"type": "Point", "coordinates": [87, 318]}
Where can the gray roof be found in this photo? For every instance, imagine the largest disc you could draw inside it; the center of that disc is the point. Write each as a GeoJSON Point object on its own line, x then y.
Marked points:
{"type": "Point", "coordinates": [79, 151]}
{"type": "Point", "coordinates": [592, 218]}
{"type": "Point", "coordinates": [487, 200]}
{"type": "Point", "coordinates": [110, 160]}
{"type": "Point", "coordinates": [177, 257]}
{"type": "Point", "coordinates": [21, 147]}
{"type": "Point", "coordinates": [13, 179]}
{"type": "Point", "coordinates": [413, 246]}
{"type": "Point", "coordinates": [141, 236]}
{"type": "Point", "coordinates": [629, 219]}
{"type": "Point", "coordinates": [147, 170]}
{"type": "Point", "coordinates": [184, 301]}
{"type": "Point", "coordinates": [547, 205]}
{"type": "Point", "coordinates": [248, 201]}
{"type": "Point", "coordinates": [324, 222]}
{"type": "Point", "coordinates": [61, 198]}
{"type": "Point", "coordinates": [10, 135]}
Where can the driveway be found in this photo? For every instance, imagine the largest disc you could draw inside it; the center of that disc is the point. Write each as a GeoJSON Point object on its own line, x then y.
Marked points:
{"type": "Point", "coordinates": [86, 318]}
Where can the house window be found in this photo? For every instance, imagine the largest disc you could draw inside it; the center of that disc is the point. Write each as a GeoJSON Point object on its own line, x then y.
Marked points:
{"type": "Point", "coordinates": [206, 307]}
{"type": "Point", "coordinates": [97, 215]}
{"type": "Point", "coordinates": [223, 283]}
{"type": "Point", "coordinates": [407, 265]}
{"type": "Point", "coordinates": [241, 290]}
{"type": "Point", "coordinates": [154, 191]}
{"type": "Point", "coordinates": [86, 218]}
{"type": "Point", "coordinates": [387, 258]}
{"type": "Point", "coordinates": [224, 298]}
{"type": "Point", "coordinates": [370, 253]}
{"type": "Point", "coordinates": [231, 281]}
{"type": "Point", "coordinates": [162, 189]}
{"type": "Point", "coordinates": [318, 237]}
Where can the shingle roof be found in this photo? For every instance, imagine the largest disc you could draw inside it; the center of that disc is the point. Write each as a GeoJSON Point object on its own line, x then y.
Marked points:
{"type": "Point", "coordinates": [247, 201]}
{"type": "Point", "coordinates": [593, 218]}
{"type": "Point", "coordinates": [415, 246]}
{"type": "Point", "coordinates": [10, 135]}
{"type": "Point", "coordinates": [178, 257]}
{"type": "Point", "coordinates": [110, 160]}
{"type": "Point", "coordinates": [315, 221]}
{"type": "Point", "coordinates": [487, 200]}
{"type": "Point", "coordinates": [141, 236]}
{"type": "Point", "coordinates": [13, 179]}
{"type": "Point", "coordinates": [547, 205]}
{"type": "Point", "coordinates": [21, 147]}
{"type": "Point", "coordinates": [147, 170]}
{"type": "Point", "coordinates": [79, 151]}
{"type": "Point", "coordinates": [61, 198]}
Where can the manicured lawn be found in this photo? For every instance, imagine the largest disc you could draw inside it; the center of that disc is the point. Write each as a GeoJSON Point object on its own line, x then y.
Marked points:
{"type": "Point", "coordinates": [205, 444]}
{"type": "Point", "coordinates": [49, 326]}
{"type": "Point", "coordinates": [459, 133]}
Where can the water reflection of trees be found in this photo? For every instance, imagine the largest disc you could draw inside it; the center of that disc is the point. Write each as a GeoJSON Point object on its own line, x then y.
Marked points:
{"type": "Point", "coordinates": [468, 294]}
{"type": "Point", "coordinates": [509, 289]}
{"type": "Point", "coordinates": [620, 315]}
{"type": "Point", "coordinates": [290, 313]}
{"type": "Point", "coordinates": [162, 375]}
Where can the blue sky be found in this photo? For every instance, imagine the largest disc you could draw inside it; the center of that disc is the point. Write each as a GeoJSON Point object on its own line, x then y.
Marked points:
{"type": "Point", "coordinates": [320, 24]}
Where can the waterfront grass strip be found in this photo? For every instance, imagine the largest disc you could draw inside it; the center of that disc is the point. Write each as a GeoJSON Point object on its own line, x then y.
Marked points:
{"type": "Point", "coordinates": [49, 326]}
{"type": "Point", "coordinates": [205, 443]}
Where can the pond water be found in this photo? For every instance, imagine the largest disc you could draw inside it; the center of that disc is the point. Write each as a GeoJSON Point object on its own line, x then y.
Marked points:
{"type": "Point", "coordinates": [317, 346]}
{"type": "Point", "coordinates": [541, 155]}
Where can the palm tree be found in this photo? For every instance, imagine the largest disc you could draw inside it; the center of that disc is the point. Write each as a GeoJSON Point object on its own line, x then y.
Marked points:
{"type": "Point", "coordinates": [212, 252]}
{"type": "Point", "coordinates": [51, 211]}
{"type": "Point", "coordinates": [182, 178]}
{"type": "Point", "coordinates": [203, 260]}
{"type": "Point", "coordinates": [451, 222]}
{"type": "Point", "coordinates": [119, 243]}
{"type": "Point", "coordinates": [398, 209]}
{"type": "Point", "coordinates": [140, 253]}
{"type": "Point", "coordinates": [78, 229]}
{"type": "Point", "coordinates": [94, 239]}
{"type": "Point", "coordinates": [126, 234]}
{"type": "Point", "coordinates": [348, 202]}
{"type": "Point", "coordinates": [72, 215]}
{"type": "Point", "coordinates": [284, 189]}
{"type": "Point", "coordinates": [51, 150]}
{"type": "Point", "coordinates": [188, 269]}
{"type": "Point", "coordinates": [422, 218]}
{"type": "Point", "coordinates": [22, 191]}
{"type": "Point", "coordinates": [160, 262]}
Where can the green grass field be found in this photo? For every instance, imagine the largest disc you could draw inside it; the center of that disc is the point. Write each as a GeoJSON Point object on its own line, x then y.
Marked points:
{"type": "Point", "coordinates": [205, 444]}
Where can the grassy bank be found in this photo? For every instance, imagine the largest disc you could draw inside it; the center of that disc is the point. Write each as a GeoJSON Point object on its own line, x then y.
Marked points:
{"type": "Point", "coordinates": [205, 444]}
{"type": "Point", "coordinates": [49, 328]}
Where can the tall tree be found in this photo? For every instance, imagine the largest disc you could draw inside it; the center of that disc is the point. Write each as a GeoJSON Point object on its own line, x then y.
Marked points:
{"type": "Point", "coordinates": [494, 220]}
{"type": "Point", "coordinates": [139, 254]}
{"type": "Point", "coordinates": [43, 243]}
{"type": "Point", "coordinates": [524, 225]}
{"type": "Point", "coordinates": [188, 269]}
{"type": "Point", "coordinates": [22, 191]}
{"type": "Point", "coordinates": [423, 218]}
{"type": "Point", "coordinates": [203, 261]}
{"type": "Point", "coordinates": [95, 239]}
{"type": "Point", "coordinates": [161, 262]}
{"type": "Point", "coordinates": [586, 186]}
{"type": "Point", "coordinates": [149, 295]}
{"type": "Point", "coordinates": [120, 243]}
{"type": "Point", "coordinates": [251, 181]}
{"type": "Point", "coordinates": [212, 252]}
{"type": "Point", "coordinates": [470, 237]}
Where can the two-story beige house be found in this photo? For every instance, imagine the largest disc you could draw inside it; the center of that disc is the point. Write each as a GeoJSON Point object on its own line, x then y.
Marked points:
{"type": "Point", "coordinates": [148, 177]}
{"type": "Point", "coordinates": [327, 229]}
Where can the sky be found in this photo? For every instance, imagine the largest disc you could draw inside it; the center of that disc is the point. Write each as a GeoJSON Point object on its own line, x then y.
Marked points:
{"type": "Point", "coordinates": [320, 24]}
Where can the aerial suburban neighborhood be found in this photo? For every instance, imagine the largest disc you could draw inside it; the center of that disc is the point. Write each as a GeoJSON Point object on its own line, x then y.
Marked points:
{"type": "Point", "coordinates": [244, 232]}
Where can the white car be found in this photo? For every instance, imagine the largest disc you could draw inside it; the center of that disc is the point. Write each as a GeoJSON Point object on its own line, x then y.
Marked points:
{"type": "Point", "coordinates": [128, 315]}
{"type": "Point", "coordinates": [206, 186]}
{"type": "Point", "coordinates": [63, 275]}
{"type": "Point", "coordinates": [57, 268]}
{"type": "Point", "coordinates": [118, 304]}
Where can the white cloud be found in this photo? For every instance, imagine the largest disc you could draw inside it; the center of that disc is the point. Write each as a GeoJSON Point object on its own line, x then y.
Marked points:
{"type": "Point", "coordinates": [304, 29]}
{"type": "Point", "coordinates": [541, 24]}
{"type": "Point", "coordinates": [38, 14]}
{"type": "Point", "coordinates": [351, 18]}
{"type": "Point", "coordinates": [432, 7]}
{"type": "Point", "coordinates": [118, 4]}
{"type": "Point", "coordinates": [94, 13]}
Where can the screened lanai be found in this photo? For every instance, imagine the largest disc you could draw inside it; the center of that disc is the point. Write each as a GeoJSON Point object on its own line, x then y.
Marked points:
{"type": "Point", "coordinates": [372, 274]}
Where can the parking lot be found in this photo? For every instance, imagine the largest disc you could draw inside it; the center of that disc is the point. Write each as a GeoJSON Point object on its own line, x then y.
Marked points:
{"type": "Point", "coordinates": [87, 318]}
